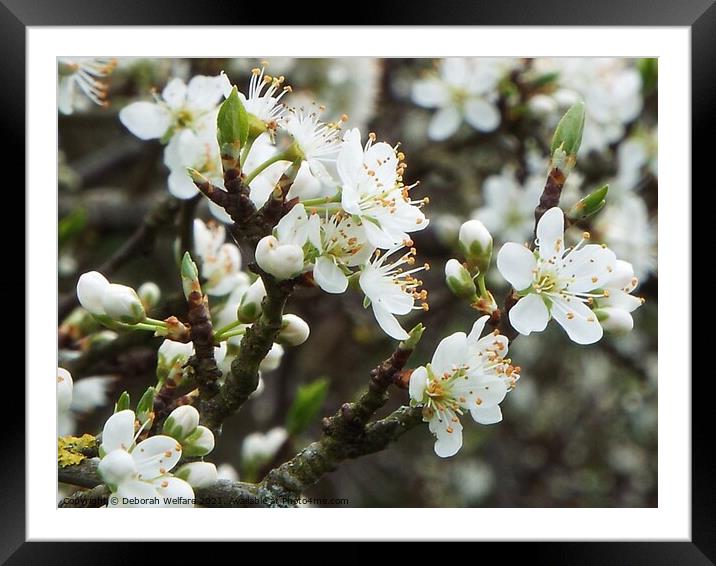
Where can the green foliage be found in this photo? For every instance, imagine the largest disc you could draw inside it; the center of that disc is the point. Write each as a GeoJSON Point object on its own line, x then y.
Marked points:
{"type": "Point", "coordinates": [309, 400]}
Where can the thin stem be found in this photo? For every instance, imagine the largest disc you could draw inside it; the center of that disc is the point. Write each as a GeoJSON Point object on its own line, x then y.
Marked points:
{"type": "Point", "coordinates": [481, 285]}
{"type": "Point", "coordinates": [321, 200]}
{"type": "Point", "coordinates": [245, 151]}
{"type": "Point", "coordinates": [159, 323]}
{"type": "Point", "coordinates": [276, 158]}
{"type": "Point", "coordinates": [224, 336]}
{"type": "Point", "coordinates": [226, 328]}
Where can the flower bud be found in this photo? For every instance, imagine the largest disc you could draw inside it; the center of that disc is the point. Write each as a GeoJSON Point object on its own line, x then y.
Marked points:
{"type": "Point", "coordinates": [181, 422]}
{"type": "Point", "coordinates": [91, 287]}
{"type": "Point", "coordinates": [170, 352]}
{"type": "Point", "coordinates": [589, 205]}
{"type": "Point", "coordinates": [476, 244]}
{"type": "Point", "coordinates": [615, 321]}
{"type": "Point", "coordinates": [64, 389]}
{"type": "Point", "coordinates": [250, 306]}
{"type": "Point", "coordinates": [262, 447]}
{"type": "Point", "coordinates": [122, 303]}
{"type": "Point", "coordinates": [149, 293]}
{"type": "Point", "coordinates": [198, 443]}
{"type": "Point", "coordinates": [198, 474]}
{"type": "Point", "coordinates": [568, 135]}
{"type": "Point", "coordinates": [189, 275]}
{"type": "Point", "coordinates": [116, 467]}
{"type": "Point", "coordinates": [281, 261]}
{"type": "Point", "coordinates": [294, 330]}
{"type": "Point", "coordinates": [272, 359]}
{"type": "Point", "coordinates": [459, 280]}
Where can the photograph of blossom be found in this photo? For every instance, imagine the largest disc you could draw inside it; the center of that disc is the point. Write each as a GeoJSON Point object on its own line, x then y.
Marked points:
{"type": "Point", "coordinates": [357, 282]}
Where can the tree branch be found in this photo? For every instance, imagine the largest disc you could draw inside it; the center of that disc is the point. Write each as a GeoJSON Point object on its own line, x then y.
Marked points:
{"type": "Point", "coordinates": [243, 379]}
{"type": "Point", "coordinates": [346, 434]}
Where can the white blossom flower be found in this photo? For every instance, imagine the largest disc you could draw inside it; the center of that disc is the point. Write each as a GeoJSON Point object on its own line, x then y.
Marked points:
{"type": "Point", "coordinates": [264, 104]}
{"type": "Point", "coordinates": [85, 395]}
{"type": "Point", "coordinates": [467, 373]}
{"type": "Point", "coordinates": [198, 150]}
{"type": "Point", "coordinates": [508, 210]}
{"type": "Point", "coordinates": [263, 184]}
{"type": "Point", "coordinates": [250, 306]}
{"type": "Point", "coordinates": [390, 290]}
{"type": "Point", "coordinates": [181, 106]}
{"type": "Point", "coordinates": [138, 474]}
{"type": "Point", "coordinates": [614, 310]}
{"type": "Point", "coordinates": [317, 142]}
{"type": "Point", "coordinates": [281, 254]}
{"type": "Point", "coordinates": [220, 261]}
{"type": "Point", "coordinates": [84, 73]}
{"type": "Point", "coordinates": [172, 357]}
{"type": "Point", "coordinates": [464, 89]}
{"type": "Point", "coordinates": [261, 447]}
{"type": "Point", "coordinates": [556, 282]}
{"type": "Point", "coordinates": [373, 190]}
{"type": "Point", "coordinates": [628, 230]}
{"type": "Point", "coordinates": [610, 88]}
{"type": "Point", "coordinates": [343, 244]}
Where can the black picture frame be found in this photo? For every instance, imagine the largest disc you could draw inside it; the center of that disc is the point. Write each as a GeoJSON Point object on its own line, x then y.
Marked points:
{"type": "Point", "coordinates": [699, 15]}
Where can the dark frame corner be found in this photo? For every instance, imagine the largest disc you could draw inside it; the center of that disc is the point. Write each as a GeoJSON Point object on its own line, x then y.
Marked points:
{"type": "Point", "coordinates": [699, 15]}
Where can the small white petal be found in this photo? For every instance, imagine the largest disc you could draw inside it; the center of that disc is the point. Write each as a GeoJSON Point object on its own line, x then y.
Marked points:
{"type": "Point", "coordinates": [389, 323]}
{"type": "Point", "coordinates": [530, 314]}
{"type": "Point", "coordinates": [482, 115]}
{"type": "Point", "coordinates": [117, 467]}
{"type": "Point", "coordinates": [550, 233]}
{"type": "Point", "coordinates": [174, 492]}
{"type": "Point", "coordinates": [451, 352]}
{"type": "Point", "coordinates": [418, 383]}
{"type": "Point", "coordinates": [329, 276]}
{"type": "Point", "coordinates": [444, 123]}
{"type": "Point", "coordinates": [430, 93]}
{"type": "Point", "coordinates": [174, 93]}
{"type": "Point", "coordinates": [64, 390]}
{"type": "Point", "coordinates": [118, 431]}
{"type": "Point", "coordinates": [578, 320]}
{"type": "Point", "coordinates": [146, 120]}
{"type": "Point", "coordinates": [156, 456]}
{"type": "Point", "coordinates": [486, 415]}
{"type": "Point", "coordinates": [135, 493]}
{"type": "Point", "coordinates": [516, 264]}
{"type": "Point", "coordinates": [181, 185]}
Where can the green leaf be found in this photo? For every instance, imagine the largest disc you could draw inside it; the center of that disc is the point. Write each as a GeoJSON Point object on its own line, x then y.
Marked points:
{"type": "Point", "coordinates": [189, 275]}
{"type": "Point", "coordinates": [545, 79]}
{"type": "Point", "coordinates": [649, 70]}
{"type": "Point", "coordinates": [71, 225]}
{"type": "Point", "coordinates": [568, 135]}
{"type": "Point", "coordinates": [308, 402]}
{"type": "Point", "coordinates": [122, 403]}
{"type": "Point", "coordinates": [232, 122]}
{"type": "Point", "coordinates": [146, 405]}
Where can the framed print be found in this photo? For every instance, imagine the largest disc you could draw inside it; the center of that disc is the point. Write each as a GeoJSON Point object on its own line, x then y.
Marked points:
{"type": "Point", "coordinates": [393, 280]}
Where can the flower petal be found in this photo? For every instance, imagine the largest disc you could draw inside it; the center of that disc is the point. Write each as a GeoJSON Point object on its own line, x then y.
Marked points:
{"type": "Point", "coordinates": [430, 93]}
{"type": "Point", "coordinates": [117, 467]}
{"type": "Point", "coordinates": [118, 431]}
{"type": "Point", "coordinates": [482, 115]}
{"type": "Point", "coordinates": [530, 314]}
{"type": "Point", "coordinates": [444, 123]}
{"type": "Point", "coordinates": [389, 323]}
{"type": "Point", "coordinates": [486, 415]}
{"type": "Point", "coordinates": [577, 319]}
{"type": "Point", "coordinates": [135, 493]}
{"type": "Point", "coordinates": [418, 383]}
{"type": "Point", "coordinates": [146, 120]}
{"type": "Point", "coordinates": [516, 263]}
{"type": "Point", "coordinates": [451, 352]}
{"type": "Point", "coordinates": [329, 276]}
{"type": "Point", "coordinates": [155, 456]}
{"type": "Point", "coordinates": [181, 185]}
{"type": "Point", "coordinates": [449, 434]}
{"type": "Point", "coordinates": [205, 92]}
{"type": "Point", "coordinates": [174, 492]}
{"type": "Point", "coordinates": [477, 329]}
{"type": "Point", "coordinates": [550, 233]}
{"type": "Point", "coordinates": [174, 93]}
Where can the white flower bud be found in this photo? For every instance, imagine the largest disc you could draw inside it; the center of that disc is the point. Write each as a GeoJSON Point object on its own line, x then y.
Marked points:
{"type": "Point", "coordinates": [117, 467]}
{"type": "Point", "coordinates": [64, 390]}
{"type": "Point", "coordinates": [198, 474]}
{"type": "Point", "coordinates": [615, 321]}
{"type": "Point", "coordinates": [459, 280]}
{"type": "Point", "coordinates": [181, 422]}
{"type": "Point", "coordinates": [476, 244]}
{"type": "Point", "coordinates": [149, 293]}
{"type": "Point", "coordinates": [294, 330]}
{"type": "Point", "coordinates": [260, 447]}
{"type": "Point", "coordinates": [272, 359]}
{"type": "Point", "coordinates": [250, 306]}
{"type": "Point", "coordinates": [542, 105]}
{"type": "Point", "coordinates": [281, 261]}
{"type": "Point", "coordinates": [122, 303]}
{"type": "Point", "coordinates": [170, 350]}
{"type": "Point", "coordinates": [227, 472]}
{"type": "Point", "coordinates": [91, 287]}
{"type": "Point", "coordinates": [198, 443]}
